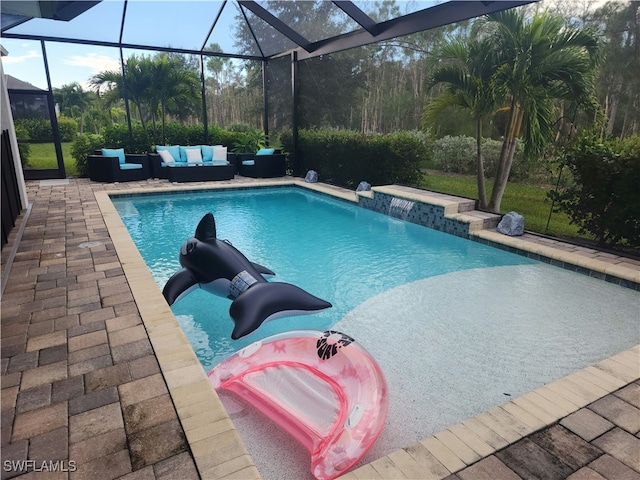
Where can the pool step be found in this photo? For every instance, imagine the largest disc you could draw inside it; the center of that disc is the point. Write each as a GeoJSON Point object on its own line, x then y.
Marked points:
{"type": "Point", "coordinates": [448, 213]}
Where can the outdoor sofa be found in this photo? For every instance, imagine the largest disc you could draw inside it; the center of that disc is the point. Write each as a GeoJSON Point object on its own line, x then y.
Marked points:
{"type": "Point", "coordinates": [113, 165]}
{"type": "Point", "coordinates": [192, 163]}
{"type": "Point", "coordinates": [266, 163]}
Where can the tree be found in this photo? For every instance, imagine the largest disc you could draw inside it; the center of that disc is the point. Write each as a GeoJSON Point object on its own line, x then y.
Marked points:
{"type": "Point", "coordinates": [538, 61]}
{"type": "Point", "coordinates": [163, 86]}
{"type": "Point", "coordinates": [135, 85]}
{"type": "Point", "coordinates": [73, 101]}
{"type": "Point", "coordinates": [466, 69]}
{"type": "Point", "coordinates": [619, 79]}
{"type": "Point", "coordinates": [174, 89]}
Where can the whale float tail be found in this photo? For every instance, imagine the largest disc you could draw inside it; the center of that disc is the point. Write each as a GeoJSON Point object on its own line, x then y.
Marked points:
{"type": "Point", "coordinates": [270, 300]}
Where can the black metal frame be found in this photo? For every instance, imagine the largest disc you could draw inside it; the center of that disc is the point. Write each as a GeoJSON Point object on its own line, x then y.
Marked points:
{"type": "Point", "coordinates": [370, 32]}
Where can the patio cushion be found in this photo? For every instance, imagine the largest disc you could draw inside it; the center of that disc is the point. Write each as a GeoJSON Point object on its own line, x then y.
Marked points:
{"type": "Point", "coordinates": [207, 152]}
{"type": "Point", "coordinates": [114, 152]}
{"type": "Point", "coordinates": [165, 156]}
{"type": "Point", "coordinates": [248, 163]}
{"type": "Point", "coordinates": [174, 150]}
{"type": "Point", "coordinates": [219, 153]}
{"type": "Point", "coordinates": [194, 155]}
{"type": "Point", "coordinates": [130, 166]}
{"type": "Point", "coordinates": [266, 151]}
{"type": "Point", "coordinates": [218, 162]}
{"type": "Point", "coordinates": [183, 152]}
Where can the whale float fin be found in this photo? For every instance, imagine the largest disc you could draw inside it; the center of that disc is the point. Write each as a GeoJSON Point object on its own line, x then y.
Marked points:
{"type": "Point", "coordinates": [206, 229]}
{"type": "Point", "coordinates": [267, 301]}
{"type": "Point", "coordinates": [263, 270]}
{"type": "Point", "coordinates": [180, 284]}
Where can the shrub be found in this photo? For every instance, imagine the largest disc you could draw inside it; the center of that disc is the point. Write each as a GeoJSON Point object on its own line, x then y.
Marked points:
{"type": "Point", "coordinates": [22, 135]}
{"type": "Point", "coordinates": [604, 199]}
{"type": "Point", "coordinates": [346, 158]}
{"type": "Point", "coordinates": [249, 142]}
{"type": "Point", "coordinates": [218, 136]}
{"type": "Point", "coordinates": [240, 127]}
{"type": "Point", "coordinates": [455, 154]}
{"type": "Point", "coordinates": [458, 155]}
{"type": "Point", "coordinates": [117, 136]}
{"type": "Point", "coordinates": [82, 146]}
{"type": "Point", "coordinates": [38, 129]}
{"type": "Point", "coordinates": [68, 128]}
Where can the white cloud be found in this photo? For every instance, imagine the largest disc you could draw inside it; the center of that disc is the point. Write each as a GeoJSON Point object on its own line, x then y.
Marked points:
{"type": "Point", "coordinates": [21, 58]}
{"type": "Point", "coordinates": [94, 62]}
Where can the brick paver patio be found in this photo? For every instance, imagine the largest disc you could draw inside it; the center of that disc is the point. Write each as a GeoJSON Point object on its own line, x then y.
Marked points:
{"type": "Point", "coordinates": [83, 391]}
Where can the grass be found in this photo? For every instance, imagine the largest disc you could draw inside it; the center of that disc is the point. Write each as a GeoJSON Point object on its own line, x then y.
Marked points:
{"type": "Point", "coordinates": [529, 201]}
{"type": "Point", "coordinates": [43, 155]}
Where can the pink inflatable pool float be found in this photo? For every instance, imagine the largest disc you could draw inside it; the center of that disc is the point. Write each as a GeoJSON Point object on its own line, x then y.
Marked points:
{"type": "Point", "coordinates": [322, 387]}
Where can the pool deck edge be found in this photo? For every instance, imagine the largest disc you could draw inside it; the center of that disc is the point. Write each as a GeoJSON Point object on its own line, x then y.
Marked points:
{"type": "Point", "coordinates": [207, 426]}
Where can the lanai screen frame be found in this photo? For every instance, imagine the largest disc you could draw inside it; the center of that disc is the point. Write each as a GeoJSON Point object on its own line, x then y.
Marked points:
{"type": "Point", "coordinates": [370, 32]}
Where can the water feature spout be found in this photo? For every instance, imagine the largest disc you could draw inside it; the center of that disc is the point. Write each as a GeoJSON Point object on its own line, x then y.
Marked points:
{"type": "Point", "coordinates": [400, 208]}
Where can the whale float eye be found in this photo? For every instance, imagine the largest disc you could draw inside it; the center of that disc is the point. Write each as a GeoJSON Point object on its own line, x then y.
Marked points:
{"type": "Point", "coordinates": [187, 247]}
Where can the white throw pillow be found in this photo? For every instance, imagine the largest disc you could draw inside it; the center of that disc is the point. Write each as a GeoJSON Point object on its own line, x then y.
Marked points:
{"type": "Point", "coordinates": [220, 153]}
{"type": "Point", "coordinates": [194, 155]}
{"type": "Point", "coordinates": [165, 156]}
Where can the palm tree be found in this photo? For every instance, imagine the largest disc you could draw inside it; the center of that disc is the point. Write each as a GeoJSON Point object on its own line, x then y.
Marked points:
{"type": "Point", "coordinates": [136, 85]}
{"type": "Point", "coordinates": [73, 101]}
{"type": "Point", "coordinates": [175, 89]}
{"type": "Point", "coordinates": [538, 62]}
{"type": "Point", "coordinates": [467, 71]}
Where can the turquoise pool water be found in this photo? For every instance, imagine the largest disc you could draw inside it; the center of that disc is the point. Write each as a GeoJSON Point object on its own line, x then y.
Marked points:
{"type": "Point", "coordinates": [336, 251]}
{"type": "Point", "coordinates": [457, 327]}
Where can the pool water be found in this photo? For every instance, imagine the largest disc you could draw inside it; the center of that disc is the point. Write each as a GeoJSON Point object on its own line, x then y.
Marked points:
{"type": "Point", "coordinates": [456, 326]}
{"type": "Point", "coordinates": [338, 252]}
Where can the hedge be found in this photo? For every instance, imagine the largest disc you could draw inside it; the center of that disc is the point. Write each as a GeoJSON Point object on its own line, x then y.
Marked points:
{"type": "Point", "coordinates": [604, 199]}
{"type": "Point", "coordinates": [38, 130]}
{"type": "Point", "coordinates": [117, 136]}
{"type": "Point", "coordinates": [346, 158]}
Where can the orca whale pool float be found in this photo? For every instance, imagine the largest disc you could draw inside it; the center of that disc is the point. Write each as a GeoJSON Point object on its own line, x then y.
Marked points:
{"type": "Point", "coordinates": [219, 268]}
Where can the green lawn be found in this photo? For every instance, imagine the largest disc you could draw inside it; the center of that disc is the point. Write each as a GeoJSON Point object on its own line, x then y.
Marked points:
{"type": "Point", "coordinates": [43, 155]}
{"type": "Point", "coordinates": [529, 201]}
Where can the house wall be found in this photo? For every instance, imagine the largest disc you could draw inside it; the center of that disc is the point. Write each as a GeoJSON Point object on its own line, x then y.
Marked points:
{"type": "Point", "coordinates": [6, 121]}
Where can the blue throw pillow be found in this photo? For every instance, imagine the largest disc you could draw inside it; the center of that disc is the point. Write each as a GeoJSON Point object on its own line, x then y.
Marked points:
{"type": "Point", "coordinates": [114, 152]}
{"type": "Point", "coordinates": [174, 150]}
{"type": "Point", "coordinates": [207, 153]}
{"type": "Point", "coordinates": [183, 152]}
{"type": "Point", "coordinates": [266, 151]}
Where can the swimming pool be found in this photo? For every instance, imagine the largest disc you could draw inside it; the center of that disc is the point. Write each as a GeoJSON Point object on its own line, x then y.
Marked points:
{"type": "Point", "coordinates": [429, 306]}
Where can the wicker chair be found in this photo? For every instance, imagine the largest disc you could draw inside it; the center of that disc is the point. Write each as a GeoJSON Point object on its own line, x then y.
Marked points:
{"type": "Point", "coordinates": [111, 168]}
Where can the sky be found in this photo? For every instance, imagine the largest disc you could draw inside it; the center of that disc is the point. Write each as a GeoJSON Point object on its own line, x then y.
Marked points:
{"type": "Point", "coordinates": [182, 24]}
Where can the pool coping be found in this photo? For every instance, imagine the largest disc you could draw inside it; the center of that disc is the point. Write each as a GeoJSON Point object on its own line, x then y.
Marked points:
{"type": "Point", "coordinates": [216, 446]}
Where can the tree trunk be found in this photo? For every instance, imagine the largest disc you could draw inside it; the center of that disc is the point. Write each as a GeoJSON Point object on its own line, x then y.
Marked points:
{"type": "Point", "coordinates": [164, 142]}
{"type": "Point", "coordinates": [613, 110]}
{"type": "Point", "coordinates": [506, 157]}
{"type": "Point", "coordinates": [482, 194]}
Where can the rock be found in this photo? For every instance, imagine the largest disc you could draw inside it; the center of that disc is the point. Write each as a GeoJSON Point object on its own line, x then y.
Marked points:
{"type": "Point", "coordinates": [512, 224]}
{"type": "Point", "coordinates": [312, 176]}
{"type": "Point", "coordinates": [363, 187]}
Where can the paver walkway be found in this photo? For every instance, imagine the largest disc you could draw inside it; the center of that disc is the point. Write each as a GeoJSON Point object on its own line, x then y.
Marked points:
{"type": "Point", "coordinates": [83, 392]}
